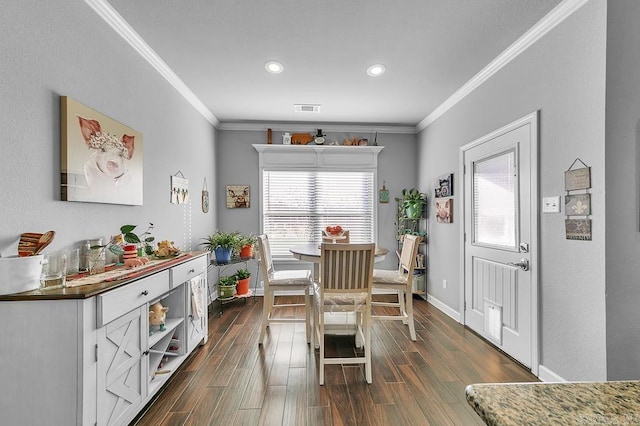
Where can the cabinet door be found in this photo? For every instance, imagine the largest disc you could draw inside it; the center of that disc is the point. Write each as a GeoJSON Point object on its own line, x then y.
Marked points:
{"type": "Point", "coordinates": [197, 324]}
{"type": "Point", "coordinates": [121, 388]}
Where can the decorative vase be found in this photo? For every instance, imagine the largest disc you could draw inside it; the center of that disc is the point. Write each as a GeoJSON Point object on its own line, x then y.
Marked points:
{"type": "Point", "coordinates": [223, 255]}
{"type": "Point", "coordinates": [226, 291]}
{"type": "Point", "coordinates": [246, 251]}
{"type": "Point", "coordinates": [414, 211]}
{"type": "Point", "coordinates": [243, 286]}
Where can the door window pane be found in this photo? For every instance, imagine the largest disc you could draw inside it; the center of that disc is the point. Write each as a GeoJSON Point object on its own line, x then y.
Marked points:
{"type": "Point", "coordinates": [495, 206]}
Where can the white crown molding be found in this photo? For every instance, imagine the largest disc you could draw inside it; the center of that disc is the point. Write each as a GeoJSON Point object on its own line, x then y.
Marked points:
{"type": "Point", "coordinates": [120, 26]}
{"type": "Point", "coordinates": [535, 33]}
{"type": "Point", "coordinates": [309, 127]}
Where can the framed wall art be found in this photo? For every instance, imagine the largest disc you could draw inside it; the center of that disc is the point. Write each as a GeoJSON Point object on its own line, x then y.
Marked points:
{"type": "Point", "coordinates": [101, 159]}
{"type": "Point", "coordinates": [238, 196]}
{"type": "Point", "coordinates": [444, 185]}
{"type": "Point", "coordinates": [444, 210]}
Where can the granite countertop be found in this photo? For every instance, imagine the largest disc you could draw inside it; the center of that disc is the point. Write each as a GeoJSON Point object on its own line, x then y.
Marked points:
{"type": "Point", "coordinates": [567, 403]}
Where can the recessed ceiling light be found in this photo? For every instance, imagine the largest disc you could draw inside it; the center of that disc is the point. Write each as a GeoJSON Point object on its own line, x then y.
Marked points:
{"type": "Point", "coordinates": [376, 70]}
{"type": "Point", "coordinates": [306, 107]}
{"type": "Point", "coordinates": [274, 67]}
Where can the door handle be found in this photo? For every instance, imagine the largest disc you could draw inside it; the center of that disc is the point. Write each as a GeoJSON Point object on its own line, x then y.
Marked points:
{"type": "Point", "coordinates": [523, 264]}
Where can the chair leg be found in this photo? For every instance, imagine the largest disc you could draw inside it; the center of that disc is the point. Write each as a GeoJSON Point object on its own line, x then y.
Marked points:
{"type": "Point", "coordinates": [322, 341]}
{"type": "Point", "coordinates": [316, 325]}
{"type": "Point", "coordinates": [401, 303]}
{"type": "Point", "coordinates": [367, 346]}
{"type": "Point", "coordinates": [412, 327]}
{"type": "Point", "coordinates": [307, 311]}
{"type": "Point", "coordinates": [266, 312]}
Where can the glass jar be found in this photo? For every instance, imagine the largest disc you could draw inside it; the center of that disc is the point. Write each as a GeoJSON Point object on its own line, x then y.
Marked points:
{"type": "Point", "coordinates": [96, 256]}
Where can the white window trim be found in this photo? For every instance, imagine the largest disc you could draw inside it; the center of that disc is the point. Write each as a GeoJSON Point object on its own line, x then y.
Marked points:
{"type": "Point", "coordinates": [319, 157]}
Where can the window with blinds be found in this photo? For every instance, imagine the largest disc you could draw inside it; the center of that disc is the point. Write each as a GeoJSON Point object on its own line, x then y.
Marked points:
{"type": "Point", "coordinates": [298, 205]}
{"type": "Point", "coordinates": [495, 201]}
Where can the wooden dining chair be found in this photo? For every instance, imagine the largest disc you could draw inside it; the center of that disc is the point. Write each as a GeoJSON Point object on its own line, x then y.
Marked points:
{"type": "Point", "coordinates": [346, 272]}
{"type": "Point", "coordinates": [327, 238]}
{"type": "Point", "coordinates": [281, 280]}
{"type": "Point", "coordinates": [401, 282]}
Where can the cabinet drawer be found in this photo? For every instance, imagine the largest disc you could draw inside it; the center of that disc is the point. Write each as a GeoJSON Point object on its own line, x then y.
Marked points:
{"type": "Point", "coordinates": [188, 270]}
{"type": "Point", "coordinates": [117, 302]}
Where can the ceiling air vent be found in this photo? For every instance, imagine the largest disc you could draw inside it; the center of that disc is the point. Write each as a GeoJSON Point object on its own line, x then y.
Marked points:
{"type": "Point", "coordinates": [306, 108]}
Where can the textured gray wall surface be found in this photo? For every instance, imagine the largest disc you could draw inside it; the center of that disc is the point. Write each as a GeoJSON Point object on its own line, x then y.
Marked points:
{"type": "Point", "coordinates": [60, 48]}
{"type": "Point", "coordinates": [563, 76]}
{"type": "Point", "coordinates": [623, 190]}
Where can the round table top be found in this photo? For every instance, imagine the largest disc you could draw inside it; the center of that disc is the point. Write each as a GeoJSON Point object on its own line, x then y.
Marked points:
{"type": "Point", "coordinates": [311, 252]}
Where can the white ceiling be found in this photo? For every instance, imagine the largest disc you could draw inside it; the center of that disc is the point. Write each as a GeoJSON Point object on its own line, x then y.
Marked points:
{"type": "Point", "coordinates": [430, 48]}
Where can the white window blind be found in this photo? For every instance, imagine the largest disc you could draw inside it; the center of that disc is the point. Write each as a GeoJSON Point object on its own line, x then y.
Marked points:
{"type": "Point", "coordinates": [298, 205]}
{"type": "Point", "coordinates": [495, 201]}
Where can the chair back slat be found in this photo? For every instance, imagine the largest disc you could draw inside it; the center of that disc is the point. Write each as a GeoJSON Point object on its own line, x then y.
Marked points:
{"type": "Point", "coordinates": [409, 253]}
{"type": "Point", "coordinates": [347, 268]}
{"type": "Point", "coordinates": [266, 261]}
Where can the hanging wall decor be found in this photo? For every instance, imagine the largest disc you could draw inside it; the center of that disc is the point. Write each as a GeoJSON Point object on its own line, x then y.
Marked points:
{"type": "Point", "coordinates": [101, 159]}
{"type": "Point", "coordinates": [238, 196]}
{"type": "Point", "coordinates": [384, 193]}
{"type": "Point", "coordinates": [577, 205]}
{"type": "Point", "coordinates": [444, 185]}
{"type": "Point", "coordinates": [578, 229]}
{"type": "Point", "coordinates": [179, 189]}
{"type": "Point", "coordinates": [205, 197]}
{"type": "Point", "coordinates": [577, 179]}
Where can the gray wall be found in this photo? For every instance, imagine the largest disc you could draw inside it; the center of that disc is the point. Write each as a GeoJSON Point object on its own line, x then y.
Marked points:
{"type": "Point", "coordinates": [623, 179]}
{"type": "Point", "coordinates": [238, 164]}
{"type": "Point", "coordinates": [562, 76]}
{"type": "Point", "coordinates": [59, 48]}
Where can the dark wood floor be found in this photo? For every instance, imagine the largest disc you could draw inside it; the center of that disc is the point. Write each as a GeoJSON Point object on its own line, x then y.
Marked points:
{"type": "Point", "coordinates": [233, 381]}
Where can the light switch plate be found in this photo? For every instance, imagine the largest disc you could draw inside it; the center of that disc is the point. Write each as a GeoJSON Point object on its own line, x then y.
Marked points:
{"type": "Point", "coordinates": [551, 205]}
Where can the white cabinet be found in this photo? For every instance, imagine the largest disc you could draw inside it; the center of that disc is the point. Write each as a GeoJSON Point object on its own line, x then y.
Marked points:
{"type": "Point", "coordinates": [86, 356]}
{"type": "Point", "coordinates": [121, 368]}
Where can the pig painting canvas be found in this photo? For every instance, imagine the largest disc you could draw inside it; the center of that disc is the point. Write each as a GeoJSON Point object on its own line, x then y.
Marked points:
{"type": "Point", "coordinates": [101, 158]}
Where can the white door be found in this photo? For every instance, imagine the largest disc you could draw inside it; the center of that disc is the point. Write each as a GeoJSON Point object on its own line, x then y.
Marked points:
{"type": "Point", "coordinates": [500, 238]}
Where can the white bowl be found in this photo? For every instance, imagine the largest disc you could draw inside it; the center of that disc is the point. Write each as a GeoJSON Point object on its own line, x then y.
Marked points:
{"type": "Point", "coordinates": [18, 274]}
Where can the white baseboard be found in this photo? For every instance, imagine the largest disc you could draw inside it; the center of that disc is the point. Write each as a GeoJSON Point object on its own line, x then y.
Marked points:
{"type": "Point", "coordinates": [444, 308]}
{"type": "Point", "coordinates": [547, 375]}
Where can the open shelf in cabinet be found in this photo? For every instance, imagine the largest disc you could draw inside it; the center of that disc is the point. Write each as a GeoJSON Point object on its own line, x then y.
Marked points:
{"type": "Point", "coordinates": [166, 346]}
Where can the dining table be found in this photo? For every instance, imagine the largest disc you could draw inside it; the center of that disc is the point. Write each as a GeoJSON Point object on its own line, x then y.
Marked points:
{"type": "Point", "coordinates": [311, 253]}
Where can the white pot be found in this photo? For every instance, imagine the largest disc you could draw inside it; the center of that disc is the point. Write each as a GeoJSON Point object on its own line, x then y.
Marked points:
{"type": "Point", "coordinates": [18, 274]}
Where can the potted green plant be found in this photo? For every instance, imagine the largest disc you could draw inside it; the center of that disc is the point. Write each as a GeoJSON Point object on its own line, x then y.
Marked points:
{"type": "Point", "coordinates": [222, 244]}
{"type": "Point", "coordinates": [413, 202]}
{"type": "Point", "coordinates": [143, 241]}
{"type": "Point", "coordinates": [243, 276]}
{"type": "Point", "coordinates": [246, 243]}
{"type": "Point", "coordinates": [227, 286]}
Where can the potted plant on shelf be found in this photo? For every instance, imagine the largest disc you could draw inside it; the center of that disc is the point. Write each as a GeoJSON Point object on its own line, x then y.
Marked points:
{"type": "Point", "coordinates": [413, 202]}
{"type": "Point", "coordinates": [243, 277]}
{"type": "Point", "coordinates": [246, 243]}
{"type": "Point", "coordinates": [227, 286]}
{"type": "Point", "coordinates": [222, 244]}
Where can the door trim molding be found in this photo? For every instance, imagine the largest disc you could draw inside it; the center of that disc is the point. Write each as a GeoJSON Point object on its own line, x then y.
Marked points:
{"type": "Point", "coordinates": [531, 120]}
